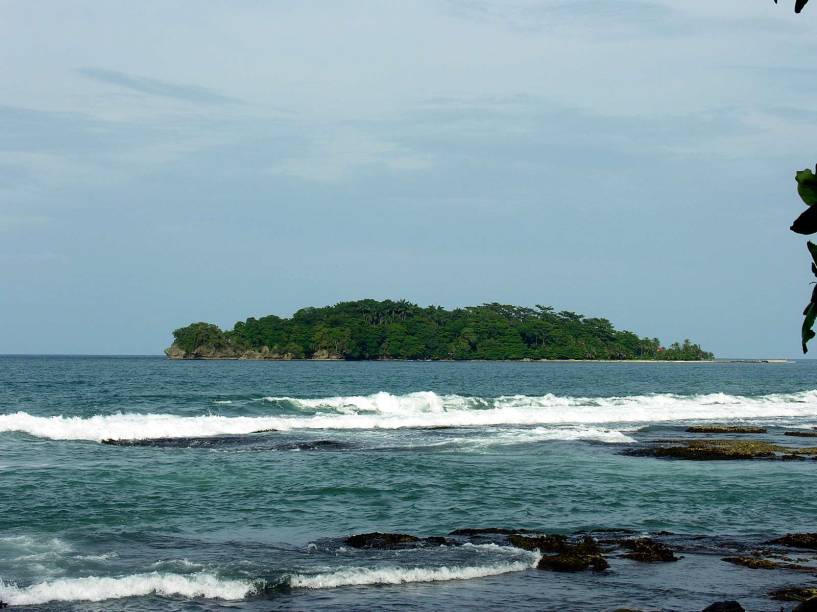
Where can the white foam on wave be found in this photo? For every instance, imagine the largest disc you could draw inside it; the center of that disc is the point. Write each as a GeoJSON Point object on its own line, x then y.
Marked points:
{"type": "Point", "coordinates": [24, 548]}
{"type": "Point", "coordinates": [94, 588]}
{"type": "Point", "coordinates": [545, 434]}
{"type": "Point", "coordinates": [424, 409]}
{"type": "Point", "coordinates": [350, 576]}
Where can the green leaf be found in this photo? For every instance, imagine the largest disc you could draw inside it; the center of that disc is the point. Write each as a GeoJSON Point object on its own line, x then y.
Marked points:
{"type": "Point", "coordinates": [812, 248]}
{"type": "Point", "coordinates": [807, 186]}
{"type": "Point", "coordinates": [807, 222]}
{"type": "Point", "coordinates": [808, 323]}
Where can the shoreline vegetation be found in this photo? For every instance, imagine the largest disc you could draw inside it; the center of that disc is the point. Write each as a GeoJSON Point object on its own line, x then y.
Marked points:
{"type": "Point", "coordinates": [390, 330]}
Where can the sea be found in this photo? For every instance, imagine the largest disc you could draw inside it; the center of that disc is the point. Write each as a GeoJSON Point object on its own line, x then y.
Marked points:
{"type": "Point", "coordinates": [141, 483]}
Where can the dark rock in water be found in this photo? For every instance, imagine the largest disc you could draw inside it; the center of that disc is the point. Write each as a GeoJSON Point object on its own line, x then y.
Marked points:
{"type": "Point", "coordinates": [486, 531]}
{"type": "Point", "coordinates": [575, 558]}
{"type": "Point", "coordinates": [801, 434]}
{"type": "Point", "coordinates": [648, 550]}
{"type": "Point", "coordinates": [381, 540]}
{"type": "Point", "coordinates": [810, 605]}
{"type": "Point", "coordinates": [747, 429]}
{"type": "Point", "coordinates": [724, 606]}
{"type": "Point", "coordinates": [252, 439]}
{"type": "Point", "coordinates": [760, 563]}
{"type": "Point", "coordinates": [180, 442]}
{"type": "Point", "coordinates": [546, 543]}
{"type": "Point", "coordinates": [388, 541]}
{"type": "Point", "coordinates": [713, 450]}
{"type": "Point", "coordinates": [753, 562]}
{"type": "Point", "coordinates": [438, 541]}
{"type": "Point", "coordinates": [794, 594]}
{"type": "Point", "coordinates": [792, 457]}
{"type": "Point", "coordinates": [313, 445]}
{"type": "Point", "coordinates": [798, 540]}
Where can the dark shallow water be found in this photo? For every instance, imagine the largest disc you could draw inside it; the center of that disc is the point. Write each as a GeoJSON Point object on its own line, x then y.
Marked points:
{"type": "Point", "coordinates": [191, 509]}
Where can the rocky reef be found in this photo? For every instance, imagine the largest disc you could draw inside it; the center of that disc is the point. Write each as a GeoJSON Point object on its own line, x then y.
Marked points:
{"type": "Point", "coordinates": [798, 540]}
{"type": "Point", "coordinates": [392, 541]}
{"type": "Point", "coordinates": [622, 550]}
{"type": "Point", "coordinates": [731, 429]}
{"type": "Point", "coordinates": [794, 594]}
{"type": "Point", "coordinates": [648, 550]}
{"type": "Point", "coordinates": [725, 606]}
{"type": "Point", "coordinates": [713, 450]}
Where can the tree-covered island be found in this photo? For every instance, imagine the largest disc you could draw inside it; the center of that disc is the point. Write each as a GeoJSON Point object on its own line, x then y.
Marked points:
{"type": "Point", "coordinates": [368, 330]}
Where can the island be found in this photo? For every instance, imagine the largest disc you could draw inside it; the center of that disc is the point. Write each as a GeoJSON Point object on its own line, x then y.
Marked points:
{"type": "Point", "coordinates": [399, 330]}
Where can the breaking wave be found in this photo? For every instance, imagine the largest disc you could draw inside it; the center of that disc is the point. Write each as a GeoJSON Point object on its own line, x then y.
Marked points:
{"type": "Point", "coordinates": [419, 410]}
{"type": "Point", "coordinates": [94, 588]}
{"type": "Point", "coordinates": [352, 576]}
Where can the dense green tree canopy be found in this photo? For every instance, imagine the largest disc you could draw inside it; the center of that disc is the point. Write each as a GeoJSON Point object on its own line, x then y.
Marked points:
{"type": "Point", "coordinates": [369, 329]}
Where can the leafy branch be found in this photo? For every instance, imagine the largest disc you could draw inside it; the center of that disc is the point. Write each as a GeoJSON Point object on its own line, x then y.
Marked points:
{"type": "Point", "coordinates": [806, 224]}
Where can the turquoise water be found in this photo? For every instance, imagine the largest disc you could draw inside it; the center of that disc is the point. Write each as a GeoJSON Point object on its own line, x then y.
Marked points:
{"type": "Point", "coordinates": [201, 512]}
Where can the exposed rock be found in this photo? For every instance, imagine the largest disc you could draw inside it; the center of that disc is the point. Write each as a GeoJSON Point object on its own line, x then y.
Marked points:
{"type": "Point", "coordinates": [724, 606]}
{"type": "Point", "coordinates": [545, 543]}
{"type": "Point", "coordinates": [237, 352]}
{"type": "Point", "coordinates": [381, 540]}
{"type": "Point", "coordinates": [175, 352]}
{"type": "Point", "coordinates": [798, 540]}
{"type": "Point", "coordinates": [747, 429]}
{"type": "Point", "coordinates": [801, 434]}
{"type": "Point", "coordinates": [313, 445]}
{"type": "Point", "coordinates": [485, 531]}
{"type": "Point", "coordinates": [437, 541]}
{"type": "Point", "coordinates": [219, 440]}
{"type": "Point", "coordinates": [575, 558]}
{"type": "Point", "coordinates": [648, 550]}
{"type": "Point", "coordinates": [324, 355]}
{"type": "Point", "coordinates": [792, 457]}
{"type": "Point", "coordinates": [388, 541]}
{"type": "Point", "coordinates": [760, 563]}
{"type": "Point", "coordinates": [712, 450]}
{"type": "Point", "coordinates": [753, 562]}
{"type": "Point", "coordinates": [794, 594]}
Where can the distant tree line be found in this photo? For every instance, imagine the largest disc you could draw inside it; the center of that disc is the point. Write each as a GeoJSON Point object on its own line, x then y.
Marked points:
{"type": "Point", "coordinates": [370, 329]}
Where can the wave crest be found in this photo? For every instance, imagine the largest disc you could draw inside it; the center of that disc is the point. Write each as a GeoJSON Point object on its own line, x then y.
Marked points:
{"type": "Point", "coordinates": [419, 410]}
{"type": "Point", "coordinates": [353, 576]}
{"type": "Point", "coordinates": [95, 588]}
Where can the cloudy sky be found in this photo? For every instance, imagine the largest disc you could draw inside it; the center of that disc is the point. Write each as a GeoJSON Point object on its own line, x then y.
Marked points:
{"type": "Point", "coordinates": [163, 162]}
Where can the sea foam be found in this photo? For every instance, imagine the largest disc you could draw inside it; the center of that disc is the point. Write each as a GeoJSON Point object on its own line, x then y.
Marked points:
{"type": "Point", "coordinates": [424, 409]}
{"type": "Point", "coordinates": [350, 576]}
{"type": "Point", "coordinates": [94, 588]}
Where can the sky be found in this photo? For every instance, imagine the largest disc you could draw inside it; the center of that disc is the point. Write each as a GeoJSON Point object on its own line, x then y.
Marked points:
{"type": "Point", "coordinates": [164, 162]}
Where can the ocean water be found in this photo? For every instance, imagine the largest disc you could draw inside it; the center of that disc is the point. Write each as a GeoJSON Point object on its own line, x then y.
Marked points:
{"type": "Point", "coordinates": [233, 484]}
